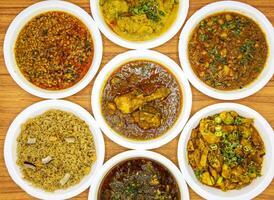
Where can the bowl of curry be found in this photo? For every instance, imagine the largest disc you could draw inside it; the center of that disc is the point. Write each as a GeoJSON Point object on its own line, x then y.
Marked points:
{"type": "Point", "coordinates": [226, 50]}
{"type": "Point", "coordinates": [138, 174]}
{"type": "Point", "coordinates": [141, 99]}
{"type": "Point", "coordinates": [139, 24]}
{"type": "Point", "coordinates": [53, 49]}
{"type": "Point", "coordinates": [225, 152]}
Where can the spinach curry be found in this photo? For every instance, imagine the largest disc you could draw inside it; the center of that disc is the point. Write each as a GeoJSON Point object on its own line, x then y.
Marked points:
{"type": "Point", "coordinates": [54, 50]}
{"type": "Point", "coordinates": [141, 100]}
{"type": "Point", "coordinates": [227, 51]}
{"type": "Point", "coordinates": [226, 151]}
{"type": "Point", "coordinates": [140, 179]}
{"type": "Point", "coordinates": [139, 20]}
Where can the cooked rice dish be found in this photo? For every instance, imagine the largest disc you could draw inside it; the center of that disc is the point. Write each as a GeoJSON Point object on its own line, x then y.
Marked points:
{"type": "Point", "coordinates": [55, 150]}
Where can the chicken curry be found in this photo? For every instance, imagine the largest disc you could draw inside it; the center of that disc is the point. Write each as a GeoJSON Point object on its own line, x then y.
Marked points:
{"type": "Point", "coordinates": [141, 100]}
{"type": "Point", "coordinates": [139, 20]}
{"type": "Point", "coordinates": [226, 151]}
{"type": "Point", "coordinates": [140, 179]}
{"type": "Point", "coordinates": [227, 51]}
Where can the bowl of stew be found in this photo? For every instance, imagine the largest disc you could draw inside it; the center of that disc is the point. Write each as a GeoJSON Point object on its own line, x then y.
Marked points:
{"type": "Point", "coordinates": [139, 174]}
{"type": "Point", "coordinates": [225, 152]}
{"type": "Point", "coordinates": [141, 99]}
{"type": "Point", "coordinates": [141, 24]}
{"type": "Point", "coordinates": [226, 50]}
{"type": "Point", "coordinates": [53, 49]}
{"type": "Point", "coordinates": [53, 149]}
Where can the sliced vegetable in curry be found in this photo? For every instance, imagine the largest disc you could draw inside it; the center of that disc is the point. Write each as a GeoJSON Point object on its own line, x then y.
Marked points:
{"type": "Point", "coordinates": [54, 50]}
{"type": "Point", "coordinates": [141, 100]}
{"type": "Point", "coordinates": [227, 50]}
{"type": "Point", "coordinates": [139, 20]}
{"type": "Point", "coordinates": [140, 179]}
{"type": "Point", "coordinates": [226, 151]}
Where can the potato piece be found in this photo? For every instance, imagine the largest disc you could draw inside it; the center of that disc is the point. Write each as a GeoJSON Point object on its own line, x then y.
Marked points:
{"type": "Point", "coordinates": [190, 146]}
{"type": "Point", "coordinates": [203, 161]}
{"type": "Point", "coordinates": [226, 171]}
{"type": "Point", "coordinates": [207, 179]}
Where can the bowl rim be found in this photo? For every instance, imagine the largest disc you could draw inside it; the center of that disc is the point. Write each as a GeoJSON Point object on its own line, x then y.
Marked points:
{"type": "Point", "coordinates": [37, 109]}
{"type": "Point", "coordinates": [217, 7]}
{"type": "Point", "coordinates": [131, 154]}
{"type": "Point", "coordinates": [25, 16]}
{"type": "Point", "coordinates": [206, 191]}
{"type": "Point", "coordinates": [114, 64]}
{"type": "Point", "coordinates": [163, 38]}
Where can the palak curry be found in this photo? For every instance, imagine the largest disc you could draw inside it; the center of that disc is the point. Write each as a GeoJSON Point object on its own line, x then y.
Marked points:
{"type": "Point", "coordinates": [227, 51]}
{"type": "Point", "coordinates": [226, 151]}
{"type": "Point", "coordinates": [54, 50]}
{"type": "Point", "coordinates": [139, 179]}
{"type": "Point", "coordinates": [139, 20]}
{"type": "Point", "coordinates": [141, 100]}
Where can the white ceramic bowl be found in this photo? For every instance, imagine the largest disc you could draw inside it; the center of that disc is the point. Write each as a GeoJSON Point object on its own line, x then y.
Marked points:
{"type": "Point", "coordinates": [115, 63]}
{"type": "Point", "coordinates": [10, 147]}
{"type": "Point", "coordinates": [248, 192]}
{"type": "Point", "coordinates": [93, 192]}
{"type": "Point", "coordinates": [217, 7]}
{"type": "Point", "coordinates": [111, 35]}
{"type": "Point", "coordinates": [18, 23]}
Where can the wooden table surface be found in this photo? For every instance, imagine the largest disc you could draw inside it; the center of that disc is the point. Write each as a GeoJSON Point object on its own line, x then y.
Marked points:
{"type": "Point", "coordinates": [13, 99]}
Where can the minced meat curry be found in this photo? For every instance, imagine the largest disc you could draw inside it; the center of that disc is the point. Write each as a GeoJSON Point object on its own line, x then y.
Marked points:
{"type": "Point", "coordinates": [54, 50]}
{"type": "Point", "coordinates": [141, 100]}
{"type": "Point", "coordinates": [226, 151]}
{"type": "Point", "coordinates": [139, 179]}
{"type": "Point", "coordinates": [227, 51]}
{"type": "Point", "coordinates": [139, 20]}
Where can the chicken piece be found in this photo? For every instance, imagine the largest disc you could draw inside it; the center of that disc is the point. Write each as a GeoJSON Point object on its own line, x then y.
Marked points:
{"type": "Point", "coordinates": [160, 93]}
{"type": "Point", "coordinates": [147, 117]}
{"type": "Point", "coordinates": [130, 102]}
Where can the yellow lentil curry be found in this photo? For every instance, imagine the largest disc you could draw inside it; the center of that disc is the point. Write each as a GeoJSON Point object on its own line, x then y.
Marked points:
{"type": "Point", "coordinates": [141, 100]}
{"type": "Point", "coordinates": [139, 20]}
{"type": "Point", "coordinates": [54, 50]}
{"type": "Point", "coordinates": [55, 150]}
{"type": "Point", "coordinates": [226, 151]}
{"type": "Point", "coordinates": [227, 50]}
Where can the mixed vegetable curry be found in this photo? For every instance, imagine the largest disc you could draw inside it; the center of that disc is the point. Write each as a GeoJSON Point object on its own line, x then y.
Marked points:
{"type": "Point", "coordinates": [141, 100]}
{"type": "Point", "coordinates": [139, 20]}
{"type": "Point", "coordinates": [227, 50]}
{"type": "Point", "coordinates": [226, 151]}
{"type": "Point", "coordinates": [54, 50]}
{"type": "Point", "coordinates": [140, 179]}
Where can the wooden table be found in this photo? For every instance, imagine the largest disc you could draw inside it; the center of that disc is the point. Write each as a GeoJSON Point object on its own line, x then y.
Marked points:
{"type": "Point", "coordinates": [13, 99]}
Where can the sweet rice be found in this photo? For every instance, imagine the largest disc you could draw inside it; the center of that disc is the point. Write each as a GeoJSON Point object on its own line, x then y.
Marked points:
{"type": "Point", "coordinates": [55, 150]}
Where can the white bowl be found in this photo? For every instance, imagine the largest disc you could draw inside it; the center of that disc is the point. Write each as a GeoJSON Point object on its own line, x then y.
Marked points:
{"type": "Point", "coordinates": [259, 184]}
{"type": "Point", "coordinates": [243, 9]}
{"type": "Point", "coordinates": [93, 191]}
{"type": "Point", "coordinates": [10, 152]}
{"type": "Point", "coordinates": [18, 23]}
{"type": "Point", "coordinates": [114, 64]}
{"type": "Point", "coordinates": [108, 32]}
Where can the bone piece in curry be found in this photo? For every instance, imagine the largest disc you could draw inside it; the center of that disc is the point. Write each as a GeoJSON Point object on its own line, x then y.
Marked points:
{"type": "Point", "coordinates": [130, 102]}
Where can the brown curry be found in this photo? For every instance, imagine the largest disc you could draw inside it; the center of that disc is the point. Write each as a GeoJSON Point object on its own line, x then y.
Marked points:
{"type": "Point", "coordinates": [139, 179]}
{"type": "Point", "coordinates": [141, 100]}
{"type": "Point", "coordinates": [227, 50]}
